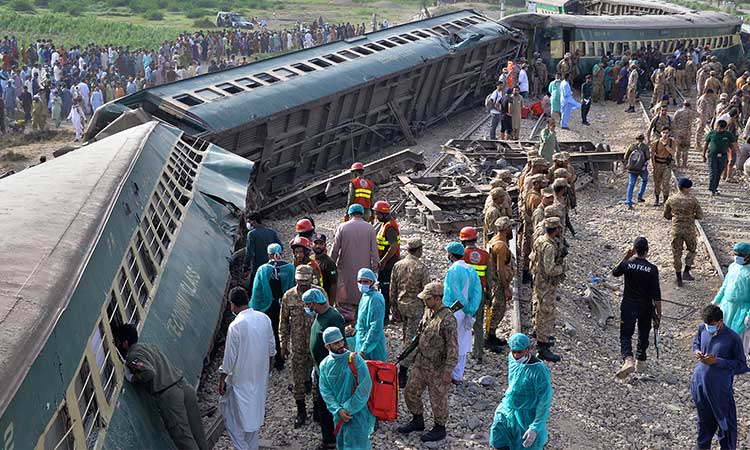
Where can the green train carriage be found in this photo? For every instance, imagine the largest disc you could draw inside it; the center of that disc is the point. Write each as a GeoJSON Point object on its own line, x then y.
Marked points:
{"type": "Point", "coordinates": [135, 228]}
{"type": "Point", "coordinates": [593, 37]}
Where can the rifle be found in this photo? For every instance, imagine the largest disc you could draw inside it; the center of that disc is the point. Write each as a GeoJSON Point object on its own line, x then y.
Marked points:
{"type": "Point", "coordinates": [415, 342]}
{"type": "Point", "coordinates": [656, 320]}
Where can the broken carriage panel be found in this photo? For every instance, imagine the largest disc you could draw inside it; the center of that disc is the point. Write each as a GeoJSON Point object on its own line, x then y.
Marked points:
{"type": "Point", "coordinates": [353, 103]}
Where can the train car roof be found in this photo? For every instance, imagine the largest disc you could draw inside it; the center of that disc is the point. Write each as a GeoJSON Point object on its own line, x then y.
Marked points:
{"type": "Point", "coordinates": [256, 97]}
{"type": "Point", "coordinates": [51, 218]}
{"type": "Point", "coordinates": [667, 7]}
{"type": "Point", "coordinates": [666, 21]}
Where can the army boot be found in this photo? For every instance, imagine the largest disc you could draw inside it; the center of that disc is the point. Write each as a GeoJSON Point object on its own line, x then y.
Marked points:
{"type": "Point", "coordinates": [492, 343]}
{"type": "Point", "coordinates": [686, 274]}
{"type": "Point", "coordinates": [416, 424]}
{"type": "Point", "coordinates": [301, 414]}
{"type": "Point", "coordinates": [436, 434]}
{"type": "Point", "coordinates": [545, 353]}
{"type": "Point", "coordinates": [628, 367]}
{"type": "Point", "coordinates": [679, 279]}
{"type": "Point", "coordinates": [640, 366]}
{"type": "Point", "coordinates": [656, 202]}
{"type": "Point", "coordinates": [403, 376]}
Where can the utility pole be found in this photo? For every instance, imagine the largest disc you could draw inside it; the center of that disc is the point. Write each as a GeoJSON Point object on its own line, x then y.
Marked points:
{"type": "Point", "coordinates": [502, 8]}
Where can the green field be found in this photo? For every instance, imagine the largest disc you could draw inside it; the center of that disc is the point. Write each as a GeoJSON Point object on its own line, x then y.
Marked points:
{"type": "Point", "coordinates": [147, 23]}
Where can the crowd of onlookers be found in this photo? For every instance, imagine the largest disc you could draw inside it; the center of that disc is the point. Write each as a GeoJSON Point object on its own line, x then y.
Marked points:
{"type": "Point", "coordinates": [72, 81]}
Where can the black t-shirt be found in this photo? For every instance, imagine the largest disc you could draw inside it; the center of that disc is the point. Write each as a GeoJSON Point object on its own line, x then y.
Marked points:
{"type": "Point", "coordinates": [504, 103]}
{"type": "Point", "coordinates": [641, 281]}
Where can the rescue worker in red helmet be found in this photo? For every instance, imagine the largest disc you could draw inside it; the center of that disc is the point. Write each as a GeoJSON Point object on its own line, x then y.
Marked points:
{"type": "Point", "coordinates": [478, 259]}
{"type": "Point", "coordinates": [305, 227]}
{"type": "Point", "coordinates": [302, 248]}
{"type": "Point", "coordinates": [361, 190]}
{"type": "Point", "coordinates": [389, 250]}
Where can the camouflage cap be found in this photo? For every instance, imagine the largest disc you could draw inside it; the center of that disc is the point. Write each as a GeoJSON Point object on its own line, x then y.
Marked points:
{"type": "Point", "coordinates": [497, 193]}
{"type": "Point", "coordinates": [432, 289]}
{"type": "Point", "coordinates": [502, 223]}
{"type": "Point", "coordinates": [564, 156]}
{"type": "Point", "coordinates": [504, 174]}
{"type": "Point", "coordinates": [552, 222]}
{"type": "Point", "coordinates": [561, 172]}
{"type": "Point", "coordinates": [553, 211]}
{"type": "Point", "coordinates": [539, 162]}
{"type": "Point", "coordinates": [303, 272]}
{"type": "Point", "coordinates": [548, 192]}
{"type": "Point", "coordinates": [498, 183]}
{"type": "Point", "coordinates": [536, 178]}
{"type": "Point", "coordinates": [560, 182]}
{"type": "Point", "coordinates": [534, 153]}
{"type": "Point", "coordinates": [414, 244]}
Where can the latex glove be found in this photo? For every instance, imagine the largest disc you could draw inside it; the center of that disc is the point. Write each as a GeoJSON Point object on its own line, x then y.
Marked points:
{"type": "Point", "coordinates": [529, 437]}
{"type": "Point", "coordinates": [468, 322]}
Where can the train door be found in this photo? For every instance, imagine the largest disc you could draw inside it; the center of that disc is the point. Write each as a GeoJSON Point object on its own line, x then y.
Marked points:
{"type": "Point", "coordinates": [567, 38]}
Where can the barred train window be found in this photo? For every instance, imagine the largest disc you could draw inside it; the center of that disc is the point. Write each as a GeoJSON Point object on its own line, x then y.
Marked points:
{"type": "Point", "coordinates": [104, 361]}
{"type": "Point", "coordinates": [87, 404]}
{"type": "Point", "coordinates": [60, 434]}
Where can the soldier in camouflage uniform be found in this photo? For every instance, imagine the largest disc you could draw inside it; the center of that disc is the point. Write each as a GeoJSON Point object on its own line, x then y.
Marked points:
{"type": "Point", "coordinates": [409, 277]}
{"type": "Point", "coordinates": [539, 79]}
{"type": "Point", "coordinates": [683, 209]}
{"type": "Point", "coordinates": [501, 272]}
{"type": "Point", "coordinates": [701, 75]}
{"type": "Point", "coordinates": [294, 337]}
{"type": "Point", "coordinates": [548, 198]}
{"type": "Point", "coordinates": [659, 81]}
{"type": "Point", "coordinates": [498, 204]}
{"type": "Point", "coordinates": [712, 82]}
{"type": "Point", "coordinates": [561, 188]}
{"type": "Point", "coordinates": [682, 131]}
{"type": "Point", "coordinates": [706, 110]}
{"type": "Point", "coordinates": [435, 358]}
{"type": "Point", "coordinates": [730, 79]}
{"type": "Point", "coordinates": [547, 265]}
{"type": "Point", "coordinates": [532, 199]}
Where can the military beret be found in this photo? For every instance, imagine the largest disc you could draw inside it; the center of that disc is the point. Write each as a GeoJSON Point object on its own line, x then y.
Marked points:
{"type": "Point", "coordinates": [414, 244]}
{"type": "Point", "coordinates": [502, 223]}
{"type": "Point", "coordinates": [684, 183]}
{"type": "Point", "coordinates": [431, 289]}
{"type": "Point", "coordinates": [552, 222]}
{"type": "Point", "coordinates": [548, 192]}
{"type": "Point", "coordinates": [742, 248]}
{"type": "Point", "coordinates": [303, 272]}
{"type": "Point", "coordinates": [712, 73]}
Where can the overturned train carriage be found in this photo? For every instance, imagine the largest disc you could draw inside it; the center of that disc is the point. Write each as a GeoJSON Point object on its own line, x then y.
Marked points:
{"type": "Point", "coordinates": [131, 229]}
{"type": "Point", "coordinates": [308, 112]}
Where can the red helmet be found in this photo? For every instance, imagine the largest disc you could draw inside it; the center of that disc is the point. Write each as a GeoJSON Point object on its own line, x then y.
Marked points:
{"type": "Point", "coordinates": [358, 166]}
{"type": "Point", "coordinates": [303, 226]}
{"type": "Point", "coordinates": [382, 207]}
{"type": "Point", "coordinates": [467, 234]}
{"type": "Point", "coordinates": [300, 241]}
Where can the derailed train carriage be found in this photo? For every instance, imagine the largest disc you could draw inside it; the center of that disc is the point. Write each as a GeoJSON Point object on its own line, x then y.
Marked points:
{"type": "Point", "coordinates": [309, 112]}
{"type": "Point", "coordinates": [554, 35]}
{"type": "Point", "coordinates": [131, 229]}
{"type": "Point", "coordinates": [606, 7]}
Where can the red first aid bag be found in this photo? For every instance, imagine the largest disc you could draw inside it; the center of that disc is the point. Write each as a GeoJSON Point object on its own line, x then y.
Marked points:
{"type": "Point", "coordinates": [383, 401]}
{"type": "Point", "coordinates": [537, 109]}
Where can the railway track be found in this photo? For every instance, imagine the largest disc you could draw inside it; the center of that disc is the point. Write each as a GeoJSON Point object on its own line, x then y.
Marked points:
{"type": "Point", "coordinates": [726, 217]}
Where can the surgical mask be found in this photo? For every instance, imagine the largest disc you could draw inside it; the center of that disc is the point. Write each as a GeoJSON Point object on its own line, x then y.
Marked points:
{"type": "Point", "coordinates": [711, 328]}
{"type": "Point", "coordinates": [739, 260]}
{"type": "Point", "coordinates": [343, 354]}
{"type": "Point", "coordinates": [309, 312]}
{"type": "Point", "coordinates": [450, 261]}
{"type": "Point", "coordinates": [249, 226]}
{"type": "Point", "coordinates": [524, 359]}
{"type": "Point", "coordinates": [363, 288]}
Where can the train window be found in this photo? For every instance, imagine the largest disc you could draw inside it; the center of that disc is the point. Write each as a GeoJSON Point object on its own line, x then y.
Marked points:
{"type": "Point", "coordinates": [87, 404]}
{"type": "Point", "coordinates": [431, 32]}
{"type": "Point", "coordinates": [618, 48]}
{"type": "Point", "coordinates": [386, 43]}
{"type": "Point", "coordinates": [441, 30]}
{"type": "Point", "coordinates": [248, 83]}
{"type": "Point", "coordinates": [471, 20]}
{"type": "Point", "coordinates": [285, 72]}
{"type": "Point", "coordinates": [145, 258]}
{"type": "Point", "coordinates": [397, 40]}
{"type": "Point", "coordinates": [591, 48]}
{"type": "Point", "coordinates": [461, 23]}
{"type": "Point", "coordinates": [208, 94]}
{"type": "Point", "coordinates": [230, 88]}
{"type": "Point", "coordinates": [421, 34]}
{"type": "Point", "coordinates": [101, 348]}
{"type": "Point", "coordinates": [113, 312]}
{"type": "Point", "coordinates": [361, 51]}
{"type": "Point", "coordinates": [600, 49]}
{"type": "Point", "coordinates": [478, 18]}
{"type": "Point", "coordinates": [409, 37]}
{"type": "Point", "coordinates": [375, 47]}
{"type": "Point", "coordinates": [348, 54]}
{"type": "Point", "coordinates": [581, 47]}
{"type": "Point", "coordinates": [452, 28]}
{"type": "Point", "coordinates": [670, 46]}
{"type": "Point", "coordinates": [266, 77]}
{"type": "Point", "coordinates": [303, 67]}
{"type": "Point", "coordinates": [334, 58]}
{"type": "Point", "coordinates": [187, 99]}
{"type": "Point", "coordinates": [60, 434]}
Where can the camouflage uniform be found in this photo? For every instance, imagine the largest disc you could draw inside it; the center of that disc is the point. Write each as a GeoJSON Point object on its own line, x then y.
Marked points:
{"type": "Point", "coordinates": [706, 108]}
{"type": "Point", "coordinates": [657, 123]}
{"type": "Point", "coordinates": [501, 273]}
{"type": "Point", "coordinates": [661, 156]}
{"type": "Point", "coordinates": [497, 204]}
{"type": "Point", "coordinates": [700, 79]}
{"type": "Point", "coordinates": [669, 82]}
{"type": "Point", "coordinates": [409, 277]}
{"type": "Point", "coordinates": [540, 77]}
{"type": "Point", "coordinates": [294, 327]}
{"type": "Point", "coordinates": [598, 76]}
{"type": "Point", "coordinates": [436, 354]}
{"type": "Point", "coordinates": [682, 126]}
{"type": "Point", "coordinates": [564, 66]}
{"type": "Point", "coordinates": [549, 271]}
{"type": "Point", "coordinates": [690, 70]}
{"type": "Point", "coordinates": [712, 83]}
{"type": "Point", "coordinates": [683, 210]}
{"type": "Point", "coordinates": [659, 80]}
{"type": "Point", "coordinates": [531, 201]}
{"type": "Point", "coordinates": [730, 80]}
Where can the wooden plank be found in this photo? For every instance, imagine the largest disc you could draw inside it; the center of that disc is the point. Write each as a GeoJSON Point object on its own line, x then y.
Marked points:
{"type": "Point", "coordinates": [402, 123]}
{"type": "Point", "coordinates": [710, 250]}
{"type": "Point", "coordinates": [409, 188]}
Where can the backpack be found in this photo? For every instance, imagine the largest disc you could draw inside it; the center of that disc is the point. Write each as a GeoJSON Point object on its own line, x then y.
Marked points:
{"type": "Point", "coordinates": [636, 160]}
{"type": "Point", "coordinates": [383, 401]}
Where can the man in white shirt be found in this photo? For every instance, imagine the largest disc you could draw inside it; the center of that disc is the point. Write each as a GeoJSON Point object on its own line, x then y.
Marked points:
{"type": "Point", "coordinates": [523, 81]}
{"type": "Point", "coordinates": [243, 382]}
{"type": "Point", "coordinates": [492, 102]}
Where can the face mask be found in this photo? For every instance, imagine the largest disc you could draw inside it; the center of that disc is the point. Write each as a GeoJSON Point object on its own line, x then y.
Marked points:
{"type": "Point", "coordinates": [450, 261]}
{"type": "Point", "coordinates": [524, 359]}
{"type": "Point", "coordinates": [739, 260]}
{"type": "Point", "coordinates": [249, 226]}
{"type": "Point", "coordinates": [309, 312]}
{"type": "Point", "coordinates": [343, 354]}
{"type": "Point", "coordinates": [363, 287]}
{"type": "Point", "coordinates": [711, 328]}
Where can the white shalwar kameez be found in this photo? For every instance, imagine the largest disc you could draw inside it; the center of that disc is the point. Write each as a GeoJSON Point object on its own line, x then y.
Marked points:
{"type": "Point", "coordinates": [249, 346]}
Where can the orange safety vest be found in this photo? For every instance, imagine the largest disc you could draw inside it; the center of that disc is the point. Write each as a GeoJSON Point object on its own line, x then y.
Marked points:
{"type": "Point", "coordinates": [363, 191]}
{"type": "Point", "coordinates": [479, 260]}
{"type": "Point", "coordinates": [383, 244]}
{"type": "Point", "coordinates": [314, 264]}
